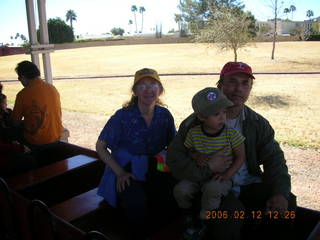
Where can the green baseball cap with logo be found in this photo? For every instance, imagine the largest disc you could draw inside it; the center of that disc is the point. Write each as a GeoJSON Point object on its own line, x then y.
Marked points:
{"type": "Point", "coordinates": [209, 101]}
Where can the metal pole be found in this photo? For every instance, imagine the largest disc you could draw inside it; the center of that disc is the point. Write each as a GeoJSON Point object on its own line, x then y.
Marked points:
{"type": "Point", "coordinates": [44, 39]}
{"type": "Point", "coordinates": [32, 30]}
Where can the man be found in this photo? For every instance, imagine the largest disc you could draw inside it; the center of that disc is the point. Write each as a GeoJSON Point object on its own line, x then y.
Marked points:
{"type": "Point", "coordinates": [38, 105]}
{"type": "Point", "coordinates": [254, 190]}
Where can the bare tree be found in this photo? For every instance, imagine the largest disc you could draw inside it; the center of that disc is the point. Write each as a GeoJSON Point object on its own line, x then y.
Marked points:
{"type": "Point", "coordinates": [230, 29]}
{"type": "Point", "coordinates": [276, 9]}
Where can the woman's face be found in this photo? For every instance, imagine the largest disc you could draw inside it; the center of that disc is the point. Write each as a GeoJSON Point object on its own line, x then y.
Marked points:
{"type": "Point", "coordinates": [148, 91]}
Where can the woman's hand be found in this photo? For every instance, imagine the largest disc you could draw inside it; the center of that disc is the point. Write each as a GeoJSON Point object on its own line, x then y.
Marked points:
{"type": "Point", "coordinates": [123, 180]}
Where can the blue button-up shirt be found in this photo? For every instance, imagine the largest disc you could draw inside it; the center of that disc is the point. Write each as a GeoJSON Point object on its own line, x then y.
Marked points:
{"type": "Point", "coordinates": [132, 141]}
{"type": "Point", "coordinates": [127, 129]}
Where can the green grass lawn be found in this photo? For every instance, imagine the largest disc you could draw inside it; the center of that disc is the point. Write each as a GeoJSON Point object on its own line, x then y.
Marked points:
{"type": "Point", "coordinates": [289, 102]}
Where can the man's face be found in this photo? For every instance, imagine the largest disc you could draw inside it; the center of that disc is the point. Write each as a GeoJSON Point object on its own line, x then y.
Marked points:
{"type": "Point", "coordinates": [237, 88]}
{"type": "Point", "coordinates": [23, 80]}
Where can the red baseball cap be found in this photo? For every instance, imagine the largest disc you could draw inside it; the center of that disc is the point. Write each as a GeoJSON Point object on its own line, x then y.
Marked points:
{"type": "Point", "coordinates": [231, 68]}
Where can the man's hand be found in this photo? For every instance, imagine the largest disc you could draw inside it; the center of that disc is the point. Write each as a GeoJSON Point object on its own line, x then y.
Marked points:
{"type": "Point", "coordinates": [201, 158]}
{"type": "Point", "coordinates": [277, 203]}
{"type": "Point", "coordinates": [219, 162]}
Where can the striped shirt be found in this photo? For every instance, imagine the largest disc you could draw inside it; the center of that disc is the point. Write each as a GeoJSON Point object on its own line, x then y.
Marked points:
{"type": "Point", "coordinates": [204, 143]}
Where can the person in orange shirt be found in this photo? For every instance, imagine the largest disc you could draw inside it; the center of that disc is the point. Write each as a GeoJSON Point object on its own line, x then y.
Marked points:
{"type": "Point", "coordinates": [38, 105]}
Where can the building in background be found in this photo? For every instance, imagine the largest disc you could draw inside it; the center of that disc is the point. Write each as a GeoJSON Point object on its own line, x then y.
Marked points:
{"type": "Point", "coordinates": [6, 50]}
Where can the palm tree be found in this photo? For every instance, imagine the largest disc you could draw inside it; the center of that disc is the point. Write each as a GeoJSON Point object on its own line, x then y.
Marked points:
{"type": "Point", "coordinates": [178, 19]}
{"type": "Point", "coordinates": [71, 16]}
{"type": "Point", "coordinates": [292, 9]}
{"type": "Point", "coordinates": [130, 23]}
{"type": "Point", "coordinates": [286, 11]}
{"type": "Point", "coordinates": [134, 9]}
{"type": "Point", "coordinates": [310, 14]}
{"type": "Point", "coordinates": [141, 10]}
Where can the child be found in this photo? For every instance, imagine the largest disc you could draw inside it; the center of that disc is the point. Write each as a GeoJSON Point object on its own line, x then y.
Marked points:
{"type": "Point", "coordinates": [12, 153]}
{"type": "Point", "coordinates": [210, 136]}
{"type": "Point", "coordinates": [4, 111]}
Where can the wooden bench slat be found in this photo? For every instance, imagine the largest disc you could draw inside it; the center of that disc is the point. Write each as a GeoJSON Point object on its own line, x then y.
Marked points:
{"type": "Point", "coordinates": [45, 173]}
{"type": "Point", "coordinates": [78, 206]}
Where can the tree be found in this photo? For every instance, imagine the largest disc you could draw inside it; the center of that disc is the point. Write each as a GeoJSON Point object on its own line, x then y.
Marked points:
{"type": "Point", "coordinates": [264, 29]}
{"type": "Point", "coordinates": [286, 11]}
{"type": "Point", "coordinates": [71, 16]}
{"type": "Point", "coordinates": [59, 31]}
{"type": "Point", "coordinates": [197, 12]}
{"type": "Point", "coordinates": [178, 19]}
{"type": "Point", "coordinates": [130, 24]}
{"type": "Point", "coordinates": [309, 14]}
{"type": "Point", "coordinates": [134, 9]}
{"type": "Point", "coordinates": [141, 11]}
{"type": "Point", "coordinates": [292, 9]}
{"type": "Point", "coordinates": [301, 32]}
{"type": "Point", "coordinates": [117, 31]}
{"type": "Point", "coordinates": [230, 29]}
{"type": "Point", "coordinates": [276, 9]}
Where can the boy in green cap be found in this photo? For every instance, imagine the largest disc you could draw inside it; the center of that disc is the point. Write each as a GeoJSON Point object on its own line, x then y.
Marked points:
{"type": "Point", "coordinates": [210, 136]}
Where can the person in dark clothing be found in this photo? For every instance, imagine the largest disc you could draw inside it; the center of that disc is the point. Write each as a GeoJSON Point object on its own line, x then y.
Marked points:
{"type": "Point", "coordinates": [255, 191]}
{"type": "Point", "coordinates": [15, 157]}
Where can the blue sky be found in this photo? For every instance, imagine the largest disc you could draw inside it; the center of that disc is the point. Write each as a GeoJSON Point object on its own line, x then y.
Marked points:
{"type": "Point", "coordinates": [99, 16]}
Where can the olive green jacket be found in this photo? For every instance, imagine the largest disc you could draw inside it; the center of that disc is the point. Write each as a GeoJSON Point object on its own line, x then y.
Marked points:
{"type": "Point", "coordinates": [261, 149]}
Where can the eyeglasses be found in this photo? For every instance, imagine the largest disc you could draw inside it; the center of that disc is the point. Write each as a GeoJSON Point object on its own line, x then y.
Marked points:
{"type": "Point", "coordinates": [143, 86]}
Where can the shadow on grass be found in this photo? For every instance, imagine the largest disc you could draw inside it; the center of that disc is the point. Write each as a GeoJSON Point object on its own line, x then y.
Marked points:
{"type": "Point", "coordinates": [307, 63]}
{"type": "Point", "coordinates": [273, 101]}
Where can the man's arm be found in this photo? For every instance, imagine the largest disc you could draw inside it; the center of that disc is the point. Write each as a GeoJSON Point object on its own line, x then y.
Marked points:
{"type": "Point", "coordinates": [275, 174]}
{"type": "Point", "coordinates": [17, 112]}
{"type": "Point", "coordinates": [239, 157]}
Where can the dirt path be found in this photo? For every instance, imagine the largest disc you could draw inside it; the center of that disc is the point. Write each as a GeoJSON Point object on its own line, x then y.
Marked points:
{"type": "Point", "coordinates": [303, 163]}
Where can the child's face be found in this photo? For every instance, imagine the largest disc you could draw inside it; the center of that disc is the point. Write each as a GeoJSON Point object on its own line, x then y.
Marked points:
{"type": "Point", "coordinates": [216, 121]}
{"type": "Point", "coordinates": [3, 104]}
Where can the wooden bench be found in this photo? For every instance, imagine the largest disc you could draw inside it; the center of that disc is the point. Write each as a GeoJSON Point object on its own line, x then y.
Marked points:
{"type": "Point", "coordinates": [43, 174]}
{"type": "Point", "coordinates": [79, 206]}
{"type": "Point", "coordinates": [60, 180]}
{"type": "Point", "coordinates": [87, 211]}
{"type": "Point", "coordinates": [21, 218]}
{"type": "Point", "coordinates": [63, 150]}
{"type": "Point", "coordinates": [46, 225]}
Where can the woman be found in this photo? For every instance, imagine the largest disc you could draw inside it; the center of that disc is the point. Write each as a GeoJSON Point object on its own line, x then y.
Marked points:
{"type": "Point", "coordinates": [135, 134]}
